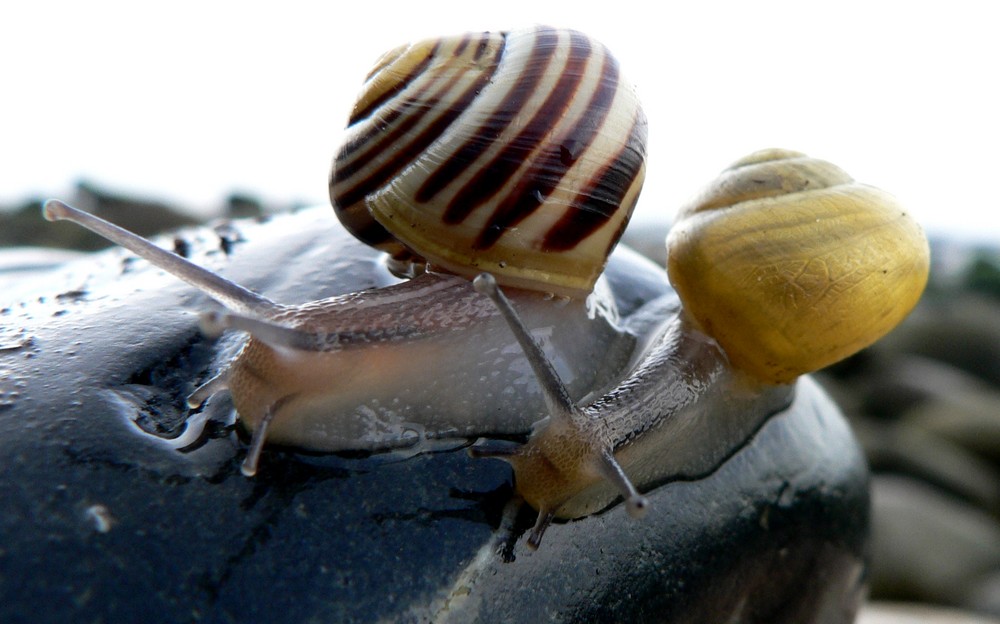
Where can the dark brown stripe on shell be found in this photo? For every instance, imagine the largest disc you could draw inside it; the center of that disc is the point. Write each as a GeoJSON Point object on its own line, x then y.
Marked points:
{"type": "Point", "coordinates": [369, 231]}
{"type": "Point", "coordinates": [347, 163]}
{"type": "Point", "coordinates": [403, 155]}
{"type": "Point", "coordinates": [617, 236]}
{"type": "Point", "coordinates": [503, 116]}
{"type": "Point", "coordinates": [374, 139]}
{"type": "Point", "coordinates": [463, 45]}
{"type": "Point", "coordinates": [490, 178]}
{"type": "Point", "coordinates": [485, 44]}
{"type": "Point", "coordinates": [599, 200]}
{"type": "Point", "coordinates": [391, 93]}
{"type": "Point", "coordinates": [550, 168]}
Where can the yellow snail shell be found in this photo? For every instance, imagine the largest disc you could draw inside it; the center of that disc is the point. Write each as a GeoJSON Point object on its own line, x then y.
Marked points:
{"type": "Point", "coordinates": [520, 154]}
{"type": "Point", "coordinates": [791, 265]}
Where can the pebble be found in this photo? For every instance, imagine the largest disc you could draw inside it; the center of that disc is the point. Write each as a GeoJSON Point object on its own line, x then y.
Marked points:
{"type": "Point", "coordinates": [927, 545]}
{"type": "Point", "coordinates": [895, 613]}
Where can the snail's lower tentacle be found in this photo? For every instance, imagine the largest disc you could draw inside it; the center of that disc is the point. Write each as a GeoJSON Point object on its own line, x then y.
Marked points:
{"type": "Point", "coordinates": [635, 502]}
{"type": "Point", "coordinates": [545, 517]}
{"type": "Point", "coordinates": [249, 467]}
{"type": "Point", "coordinates": [500, 452]}
{"type": "Point", "coordinates": [270, 333]}
{"type": "Point", "coordinates": [214, 323]}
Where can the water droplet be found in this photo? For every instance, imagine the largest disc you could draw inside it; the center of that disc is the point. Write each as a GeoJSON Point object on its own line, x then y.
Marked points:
{"type": "Point", "coordinates": [15, 341]}
{"type": "Point", "coordinates": [10, 388]}
{"type": "Point", "coordinates": [100, 517]}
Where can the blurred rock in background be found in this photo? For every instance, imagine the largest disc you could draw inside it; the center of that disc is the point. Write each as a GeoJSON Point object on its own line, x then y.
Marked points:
{"type": "Point", "coordinates": [22, 225]}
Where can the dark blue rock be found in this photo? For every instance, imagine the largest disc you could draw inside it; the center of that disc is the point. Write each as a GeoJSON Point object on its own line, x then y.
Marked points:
{"type": "Point", "coordinates": [103, 521]}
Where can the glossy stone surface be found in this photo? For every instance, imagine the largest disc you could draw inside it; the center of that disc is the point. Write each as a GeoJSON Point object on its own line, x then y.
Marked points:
{"type": "Point", "coordinates": [104, 522]}
{"type": "Point", "coordinates": [774, 535]}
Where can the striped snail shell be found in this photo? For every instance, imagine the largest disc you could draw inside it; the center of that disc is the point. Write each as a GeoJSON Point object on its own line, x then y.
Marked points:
{"type": "Point", "coordinates": [521, 154]}
{"type": "Point", "coordinates": [791, 265]}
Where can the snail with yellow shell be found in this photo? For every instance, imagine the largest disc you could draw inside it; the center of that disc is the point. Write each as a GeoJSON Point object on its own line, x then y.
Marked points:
{"type": "Point", "coordinates": [786, 264]}
{"type": "Point", "coordinates": [518, 158]}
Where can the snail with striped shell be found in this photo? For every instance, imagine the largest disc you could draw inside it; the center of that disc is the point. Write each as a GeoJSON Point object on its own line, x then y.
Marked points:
{"type": "Point", "coordinates": [544, 148]}
{"type": "Point", "coordinates": [520, 154]}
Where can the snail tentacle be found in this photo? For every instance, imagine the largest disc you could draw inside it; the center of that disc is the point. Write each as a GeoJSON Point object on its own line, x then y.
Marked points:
{"type": "Point", "coordinates": [229, 294]}
{"type": "Point", "coordinates": [557, 397]}
{"type": "Point", "coordinates": [480, 451]}
{"type": "Point", "coordinates": [635, 503]}
{"type": "Point", "coordinates": [268, 332]}
{"type": "Point", "coordinates": [565, 444]}
{"type": "Point", "coordinates": [249, 466]}
{"type": "Point", "coordinates": [545, 517]}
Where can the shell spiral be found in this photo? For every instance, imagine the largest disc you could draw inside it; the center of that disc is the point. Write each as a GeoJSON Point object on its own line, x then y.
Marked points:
{"type": "Point", "coordinates": [791, 265]}
{"type": "Point", "coordinates": [521, 154]}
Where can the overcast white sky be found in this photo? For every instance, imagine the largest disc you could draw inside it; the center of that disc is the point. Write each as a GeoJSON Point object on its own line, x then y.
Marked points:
{"type": "Point", "coordinates": [188, 101]}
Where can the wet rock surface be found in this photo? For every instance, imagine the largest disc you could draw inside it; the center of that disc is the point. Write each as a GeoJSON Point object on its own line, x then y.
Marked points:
{"type": "Point", "coordinates": [117, 511]}
{"type": "Point", "coordinates": [774, 535]}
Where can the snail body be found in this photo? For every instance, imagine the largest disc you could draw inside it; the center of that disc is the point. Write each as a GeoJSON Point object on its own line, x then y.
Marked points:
{"type": "Point", "coordinates": [392, 367]}
{"type": "Point", "coordinates": [522, 153]}
{"type": "Point", "coordinates": [716, 366]}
